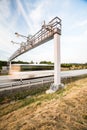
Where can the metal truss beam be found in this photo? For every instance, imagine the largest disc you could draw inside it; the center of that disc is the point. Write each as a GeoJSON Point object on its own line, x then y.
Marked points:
{"type": "Point", "coordinates": [45, 34]}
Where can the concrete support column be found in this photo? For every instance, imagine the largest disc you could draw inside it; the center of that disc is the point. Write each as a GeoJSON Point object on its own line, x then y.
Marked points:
{"type": "Point", "coordinates": [57, 72]}
{"type": "Point", "coordinates": [10, 67]}
{"type": "Point", "coordinates": [57, 80]}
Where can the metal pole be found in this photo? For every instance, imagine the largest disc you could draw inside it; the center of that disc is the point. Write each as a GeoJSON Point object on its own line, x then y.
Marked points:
{"type": "Point", "coordinates": [57, 80]}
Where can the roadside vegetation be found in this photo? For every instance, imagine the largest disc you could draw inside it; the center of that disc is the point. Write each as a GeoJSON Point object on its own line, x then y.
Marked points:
{"type": "Point", "coordinates": [64, 66]}
{"type": "Point", "coordinates": [64, 110]}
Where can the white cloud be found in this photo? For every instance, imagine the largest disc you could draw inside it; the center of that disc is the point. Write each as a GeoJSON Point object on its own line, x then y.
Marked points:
{"type": "Point", "coordinates": [80, 24]}
{"type": "Point", "coordinates": [5, 37]}
{"type": "Point", "coordinates": [37, 14]}
{"type": "Point", "coordinates": [23, 13]}
{"type": "Point", "coordinates": [4, 9]}
{"type": "Point", "coordinates": [6, 29]}
{"type": "Point", "coordinates": [74, 48]}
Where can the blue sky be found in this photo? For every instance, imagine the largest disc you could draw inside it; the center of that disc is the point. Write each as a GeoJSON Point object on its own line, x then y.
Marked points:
{"type": "Point", "coordinates": [26, 17]}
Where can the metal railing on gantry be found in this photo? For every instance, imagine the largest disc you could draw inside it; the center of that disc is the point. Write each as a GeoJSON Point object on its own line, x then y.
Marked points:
{"type": "Point", "coordinates": [45, 34]}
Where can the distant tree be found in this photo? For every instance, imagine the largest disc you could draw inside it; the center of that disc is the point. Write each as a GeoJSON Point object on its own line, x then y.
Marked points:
{"type": "Point", "coordinates": [31, 62]}
{"type": "Point", "coordinates": [3, 63]}
{"type": "Point", "coordinates": [46, 62]}
{"type": "Point", "coordinates": [19, 62]}
{"type": "Point", "coordinates": [65, 65]}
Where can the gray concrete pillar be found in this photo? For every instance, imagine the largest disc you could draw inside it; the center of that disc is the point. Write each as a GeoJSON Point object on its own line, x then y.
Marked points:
{"type": "Point", "coordinates": [57, 79]}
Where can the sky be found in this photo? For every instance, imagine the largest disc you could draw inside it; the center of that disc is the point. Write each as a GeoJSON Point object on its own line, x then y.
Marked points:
{"type": "Point", "coordinates": [26, 17]}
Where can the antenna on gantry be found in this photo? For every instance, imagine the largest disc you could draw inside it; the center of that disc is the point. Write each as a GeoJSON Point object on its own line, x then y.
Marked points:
{"type": "Point", "coordinates": [22, 44]}
{"type": "Point", "coordinates": [19, 35]}
{"type": "Point", "coordinates": [48, 27]}
{"type": "Point", "coordinates": [14, 42]}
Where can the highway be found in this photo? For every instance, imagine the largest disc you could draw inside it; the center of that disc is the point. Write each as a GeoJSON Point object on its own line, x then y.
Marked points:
{"type": "Point", "coordinates": [73, 73]}
{"type": "Point", "coordinates": [12, 82]}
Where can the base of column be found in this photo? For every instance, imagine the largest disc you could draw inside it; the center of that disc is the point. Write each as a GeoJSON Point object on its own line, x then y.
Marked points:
{"type": "Point", "coordinates": [54, 88]}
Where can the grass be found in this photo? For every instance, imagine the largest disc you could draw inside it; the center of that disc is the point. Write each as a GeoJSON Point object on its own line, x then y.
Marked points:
{"type": "Point", "coordinates": [64, 110]}
{"type": "Point", "coordinates": [38, 98]}
{"type": "Point", "coordinates": [34, 95]}
{"type": "Point", "coordinates": [21, 94]}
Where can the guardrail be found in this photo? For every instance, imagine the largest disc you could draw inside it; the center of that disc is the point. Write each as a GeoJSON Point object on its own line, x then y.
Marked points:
{"type": "Point", "coordinates": [24, 83]}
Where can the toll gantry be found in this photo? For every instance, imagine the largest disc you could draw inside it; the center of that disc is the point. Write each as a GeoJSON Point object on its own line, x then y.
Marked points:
{"type": "Point", "coordinates": [49, 31]}
{"type": "Point", "coordinates": [45, 34]}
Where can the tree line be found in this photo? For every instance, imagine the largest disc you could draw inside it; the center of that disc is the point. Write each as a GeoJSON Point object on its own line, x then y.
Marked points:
{"type": "Point", "coordinates": [64, 65]}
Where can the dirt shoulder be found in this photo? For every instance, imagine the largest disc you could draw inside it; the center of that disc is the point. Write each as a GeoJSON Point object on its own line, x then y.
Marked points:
{"type": "Point", "coordinates": [64, 110]}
